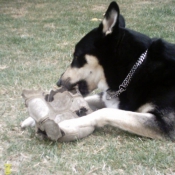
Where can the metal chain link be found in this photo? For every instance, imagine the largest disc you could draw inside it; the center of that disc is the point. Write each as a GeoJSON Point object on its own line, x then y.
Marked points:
{"type": "Point", "coordinates": [125, 83]}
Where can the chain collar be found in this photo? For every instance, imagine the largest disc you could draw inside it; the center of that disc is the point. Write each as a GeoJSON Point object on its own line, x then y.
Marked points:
{"type": "Point", "coordinates": [112, 94]}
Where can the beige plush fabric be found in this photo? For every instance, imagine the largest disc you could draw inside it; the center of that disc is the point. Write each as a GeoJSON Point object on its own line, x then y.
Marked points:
{"type": "Point", "coordinates": [48, 110]}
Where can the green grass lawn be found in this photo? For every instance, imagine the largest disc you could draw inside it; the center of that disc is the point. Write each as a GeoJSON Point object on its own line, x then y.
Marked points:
{"type": "Point", "coordinates": [37, 39]}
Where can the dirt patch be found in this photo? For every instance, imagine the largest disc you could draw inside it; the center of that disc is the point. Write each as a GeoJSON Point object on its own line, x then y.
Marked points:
{"type": "Point", "coordinates": [14, 11]}
{"type": "Point", "coordinates": [18, 13]}
{"type": "Point", "coordinates": [99, 8]}
{"type": "Point", "coordinates": [50, 26]}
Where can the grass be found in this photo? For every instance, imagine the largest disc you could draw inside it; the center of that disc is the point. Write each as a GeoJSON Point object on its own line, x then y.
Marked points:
{"type": "Point", "coordinates": [37, 39]}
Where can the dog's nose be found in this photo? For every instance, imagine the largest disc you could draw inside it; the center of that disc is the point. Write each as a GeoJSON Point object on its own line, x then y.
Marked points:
{"type": "Point", "coordinates": [59, 82]}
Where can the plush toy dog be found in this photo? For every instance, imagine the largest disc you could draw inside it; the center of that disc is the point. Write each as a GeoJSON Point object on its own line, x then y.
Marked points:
{"type": "Point", "coordinates": [47, 111]}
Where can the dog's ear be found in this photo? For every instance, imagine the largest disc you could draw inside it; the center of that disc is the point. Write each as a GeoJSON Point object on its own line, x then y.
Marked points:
{"type": "Point", "coordinates": [111, 18]}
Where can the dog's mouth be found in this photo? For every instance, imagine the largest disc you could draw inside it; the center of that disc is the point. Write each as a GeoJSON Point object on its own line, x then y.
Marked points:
{"type": "Point", "coordinates": [82, 86]}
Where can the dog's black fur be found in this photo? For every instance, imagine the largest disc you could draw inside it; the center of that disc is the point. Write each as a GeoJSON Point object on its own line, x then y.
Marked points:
{"type": "Point", "coordinates": [117, 52]}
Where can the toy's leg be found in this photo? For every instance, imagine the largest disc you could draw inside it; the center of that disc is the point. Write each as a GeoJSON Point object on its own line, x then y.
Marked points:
{"type": "Point", "coordinates": [40, 111]}
{"type": "Point", "coordinates": [95, 102]}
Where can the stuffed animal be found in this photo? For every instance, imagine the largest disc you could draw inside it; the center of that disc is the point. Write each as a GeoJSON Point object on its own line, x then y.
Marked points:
{"type": "Point", "coordinates": [47, 111]}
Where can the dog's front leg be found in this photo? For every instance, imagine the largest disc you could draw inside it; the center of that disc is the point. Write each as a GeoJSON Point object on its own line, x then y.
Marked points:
{"type": "Point", "coordinates": [143, 124]}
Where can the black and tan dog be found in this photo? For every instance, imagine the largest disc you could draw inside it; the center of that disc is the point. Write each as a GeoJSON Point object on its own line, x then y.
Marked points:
{"type": "Point", "coordinates": [136, 74]}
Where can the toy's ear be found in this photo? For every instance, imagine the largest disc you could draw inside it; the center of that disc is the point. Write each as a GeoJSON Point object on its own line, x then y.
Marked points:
{"type": "Point", "coordinates": [111, 18]}
{"type": "Point", "coordinates": [26, 94]}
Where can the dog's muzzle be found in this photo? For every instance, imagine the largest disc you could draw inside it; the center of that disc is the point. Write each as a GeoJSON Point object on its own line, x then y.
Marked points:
{"type": "Point", "coordinates": [65, 83]}
{"type": "Point", "coordinates": [82, 85]}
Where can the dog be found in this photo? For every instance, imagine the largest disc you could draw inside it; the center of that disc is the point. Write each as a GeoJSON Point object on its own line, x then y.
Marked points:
{"type": "Point", "coordinates": [136, 76]}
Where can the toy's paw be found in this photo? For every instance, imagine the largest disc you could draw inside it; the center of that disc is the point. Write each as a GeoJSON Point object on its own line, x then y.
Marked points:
{"type": "Point", "coordinates": [29, 122]}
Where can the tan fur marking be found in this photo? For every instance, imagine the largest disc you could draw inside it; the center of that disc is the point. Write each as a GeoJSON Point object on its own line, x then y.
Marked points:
{"type": "Point", "coordinates": [92, 60]}
{"type": "Point", "coordinates": [92, 73]}
{"type": "Point", "coordinates": [146, 108]}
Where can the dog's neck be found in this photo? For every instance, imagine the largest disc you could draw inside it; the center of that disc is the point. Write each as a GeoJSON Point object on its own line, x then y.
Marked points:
{"type": "Point", "coordinates": [112, 94]}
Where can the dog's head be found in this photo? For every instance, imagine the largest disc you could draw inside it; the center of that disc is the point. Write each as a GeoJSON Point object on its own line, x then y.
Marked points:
{"type": "Point", "coordinates": [91, 53]}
